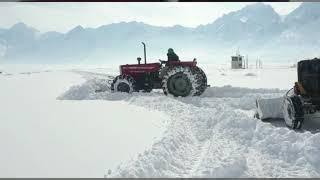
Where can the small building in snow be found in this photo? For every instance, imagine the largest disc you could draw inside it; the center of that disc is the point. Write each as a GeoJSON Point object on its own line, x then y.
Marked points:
{"type": "Point", "coordinates": [237, 62]}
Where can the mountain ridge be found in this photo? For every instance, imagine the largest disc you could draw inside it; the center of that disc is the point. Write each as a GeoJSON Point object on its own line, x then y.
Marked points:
{"type": "Point", "coordinates": [256, 28]}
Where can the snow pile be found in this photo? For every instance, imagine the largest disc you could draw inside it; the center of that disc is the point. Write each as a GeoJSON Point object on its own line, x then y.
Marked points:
{"type": "Point", "coordinates": [86, 91]}
{"type": "Point", "coordinates": [45, 137]}
{"type": "Point", "coordinates": [229, 91]}
{"type": "Point", "coordinates": [214, 135]}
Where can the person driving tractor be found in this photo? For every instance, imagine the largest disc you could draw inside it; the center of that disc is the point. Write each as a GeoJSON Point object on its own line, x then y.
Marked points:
{"type": "Point", "coordinates": [172, 56]}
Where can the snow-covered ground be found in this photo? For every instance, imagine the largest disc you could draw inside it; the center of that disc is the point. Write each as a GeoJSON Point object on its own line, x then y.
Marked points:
{"type": "Point", "coordinates": [54, 124]}
{"type": "Point", "coordinates": [42, 136]}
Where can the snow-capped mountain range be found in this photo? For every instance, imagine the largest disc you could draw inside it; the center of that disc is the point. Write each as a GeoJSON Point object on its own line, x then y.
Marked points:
{"type": "Point", "coordinates": [256, 29]}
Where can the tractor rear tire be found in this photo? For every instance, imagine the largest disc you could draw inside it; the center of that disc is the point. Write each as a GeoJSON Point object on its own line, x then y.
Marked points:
{"type": "Point", "coordinates": [181, 81]}
{"type": "Point", "coordinates": [201, 80]}
{"type": "Point", "coordinates": [293, 112]}
{"type": "Point", "coordinates": [123, 83]}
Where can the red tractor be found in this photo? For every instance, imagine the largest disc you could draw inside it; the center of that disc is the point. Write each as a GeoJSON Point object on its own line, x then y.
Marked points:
{"type": "Point", "coordinates": [179, 78]}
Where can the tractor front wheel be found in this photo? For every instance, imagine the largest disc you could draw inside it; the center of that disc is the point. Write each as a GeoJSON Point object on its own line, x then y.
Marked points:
{"type": "Point", "coordinates": [123, 83]}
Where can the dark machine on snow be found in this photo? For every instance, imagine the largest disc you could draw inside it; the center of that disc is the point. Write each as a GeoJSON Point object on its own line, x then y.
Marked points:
{"type": "Point", "coordinates": [301, 100]}
{"type": "Point", "coordinates": [179, 78]}
{"type": "Point", "coordinates": [304, 97]}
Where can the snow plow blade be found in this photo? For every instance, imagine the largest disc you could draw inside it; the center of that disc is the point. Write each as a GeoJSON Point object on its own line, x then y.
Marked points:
{"type": "Point", "coordinates": [269, 108]}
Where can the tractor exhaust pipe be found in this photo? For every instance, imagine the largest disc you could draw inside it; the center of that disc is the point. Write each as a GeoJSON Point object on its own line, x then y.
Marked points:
{"type": "Point", "coordinates": [144, 53]}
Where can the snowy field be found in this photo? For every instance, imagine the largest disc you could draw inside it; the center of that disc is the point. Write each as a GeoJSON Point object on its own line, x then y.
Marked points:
{"type": "Point", "coordinates": [53, 124]}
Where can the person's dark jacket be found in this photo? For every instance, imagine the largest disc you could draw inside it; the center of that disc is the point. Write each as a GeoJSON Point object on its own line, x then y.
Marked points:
{"type": "Point", "coordinates": [172, 56]}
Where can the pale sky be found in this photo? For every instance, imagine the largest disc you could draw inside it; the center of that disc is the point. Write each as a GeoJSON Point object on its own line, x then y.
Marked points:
{"type": "Point", "coordinates": [64, 16]}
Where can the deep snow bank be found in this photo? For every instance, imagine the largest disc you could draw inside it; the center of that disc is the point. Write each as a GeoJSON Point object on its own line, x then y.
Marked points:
{"type": "Point", "coordinates": [214, 135]}
{"type": "Point", "coordinates": [44, 137]}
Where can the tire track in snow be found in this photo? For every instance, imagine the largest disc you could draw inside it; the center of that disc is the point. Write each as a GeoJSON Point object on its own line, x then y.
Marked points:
{"type": "Point", "coordinates": [198, 158]}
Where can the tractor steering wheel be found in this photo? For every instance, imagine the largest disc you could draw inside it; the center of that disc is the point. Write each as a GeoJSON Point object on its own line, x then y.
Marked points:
{"type": "Point", "coordinates": [162, 61]}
